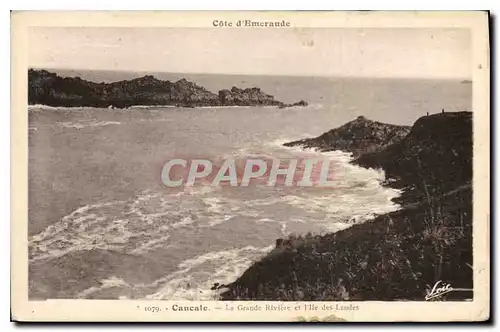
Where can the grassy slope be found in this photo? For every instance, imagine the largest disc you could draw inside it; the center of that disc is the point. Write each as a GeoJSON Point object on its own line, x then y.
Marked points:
{"type": "Point", "coordinates": [399, 255]}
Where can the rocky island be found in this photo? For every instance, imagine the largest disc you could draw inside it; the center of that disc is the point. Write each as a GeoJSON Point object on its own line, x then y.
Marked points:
{"type": "Point", "coordinates": [396, 256]}
{"type": "Point", "coordinates": [50, 89]}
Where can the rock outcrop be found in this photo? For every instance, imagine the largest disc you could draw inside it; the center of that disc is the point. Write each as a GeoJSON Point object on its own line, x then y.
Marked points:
{"type": "Point", "coordinates": [358, 136]}
{"type": "Point", "coordinates": [246, 97]}
{"type": "Point", "coordinates": [300, 103]}
{"type": "Point", "coordinates": [435, 157]}
{"type": "Point", "coordinates": [53, 90]}
{"type": "Point", "coordinates": [397, 255]}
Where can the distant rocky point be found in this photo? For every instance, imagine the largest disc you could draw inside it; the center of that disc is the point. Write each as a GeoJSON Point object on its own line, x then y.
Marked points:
{"type": "Point", "coordinates": [50, 89]}
{"type": "Point", "coordinates": [300, 103]}
{"type": "Point", "coordinates": [358, 136]}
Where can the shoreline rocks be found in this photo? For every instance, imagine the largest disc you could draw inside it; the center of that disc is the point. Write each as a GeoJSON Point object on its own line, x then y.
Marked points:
{"type": "Point", "coordinates": [357, 136]}
{"type": "Point", "coordinates": [395, 256]}
{"type": "Point", "coordinates": [300, 103]}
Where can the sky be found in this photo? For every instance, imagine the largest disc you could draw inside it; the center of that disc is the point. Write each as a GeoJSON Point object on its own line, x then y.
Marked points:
{"type": "Point", "coordinates": [374, 52]}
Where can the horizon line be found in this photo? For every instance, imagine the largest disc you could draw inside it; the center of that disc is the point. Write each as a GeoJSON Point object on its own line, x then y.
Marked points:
{"type": "Point", "coordinates": [444, 78]}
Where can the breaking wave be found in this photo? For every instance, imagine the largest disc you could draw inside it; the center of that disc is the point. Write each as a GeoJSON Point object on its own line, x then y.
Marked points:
{"type": "Point", "coordinates": [145, 223]}
{"type": "Point", "coordinates": [136, 226]}
{"type": "Point", "coordinates": [193, 279]}
{"type": "Point", "coordinates": [85, 124]}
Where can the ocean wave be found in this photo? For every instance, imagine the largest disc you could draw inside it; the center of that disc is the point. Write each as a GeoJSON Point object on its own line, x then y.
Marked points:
{"type": "Point", "coordinates": [112, 282]}
{"type": "Point", "coordinates": [239, 106]}
{"type": "Point", "coordinates": [138, 226]}
{"type": "Point", "coordinates": [195, 276]}
{"type": "Point", "coordinates": [152, 107]}
{"type": "Point", "coordinates": [35, 108]}
{"type": "Point", "coordinates": [354, 194]}
{"type": "Point", "coordinates": [85, 124]}
{"type": "Point", "coordinates": [192, 280]}
{"type": "Point", "coordinates": [41, 107]}
{"type": "Point", "coordinates": [146, 222]}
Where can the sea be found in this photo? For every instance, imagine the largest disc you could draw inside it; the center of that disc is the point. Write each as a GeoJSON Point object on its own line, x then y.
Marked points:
{"type": "Point", "coordinates": [102, 225]}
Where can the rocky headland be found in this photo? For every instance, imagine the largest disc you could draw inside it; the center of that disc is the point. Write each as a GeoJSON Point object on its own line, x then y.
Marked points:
{"type": "Point", "coordinates": [50, 89]}
{"type": "Point", "coordinates": [434, 158]}
{"type": "Point", "coordinates": [396, 256]}
{"type": "Point", "coordinates": [357, 136]}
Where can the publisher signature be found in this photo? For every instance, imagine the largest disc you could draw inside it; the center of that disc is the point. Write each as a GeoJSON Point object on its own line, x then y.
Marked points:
{"type": "Point", "coordinates": [441, 288]}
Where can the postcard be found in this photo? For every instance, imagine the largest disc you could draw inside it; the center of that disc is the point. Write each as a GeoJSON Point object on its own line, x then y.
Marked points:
{"type": "Point", "coordinates": [174, 166]}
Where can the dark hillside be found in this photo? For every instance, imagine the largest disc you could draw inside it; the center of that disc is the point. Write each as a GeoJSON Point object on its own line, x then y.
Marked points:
{"type": "Point", "coordinates": [397, 256]}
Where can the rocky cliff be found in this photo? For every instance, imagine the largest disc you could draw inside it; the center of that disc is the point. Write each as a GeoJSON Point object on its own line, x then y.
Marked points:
{"type": "Point", "coordinates": [435, 157]}
{"type": "Point", "coordinates": [358, 136]}
{"type": "Point", "coordinates": [246, 97]}
{"type": "Point", "coordinates": [51, 89]}
{"type": "Point", "coordinates": [399, 255]}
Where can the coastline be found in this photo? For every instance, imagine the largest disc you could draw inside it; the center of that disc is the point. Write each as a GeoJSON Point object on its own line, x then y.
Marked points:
{"type": "Point", "coordinates": [49, 88]}
{"type": "Point", "coordinates": [397, 255]}
{"type": "Point", "coordinates": [145, 107]}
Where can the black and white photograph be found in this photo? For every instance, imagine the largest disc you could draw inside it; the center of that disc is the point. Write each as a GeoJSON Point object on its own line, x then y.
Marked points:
{"type": "Point", "coordinates": [252, 160]}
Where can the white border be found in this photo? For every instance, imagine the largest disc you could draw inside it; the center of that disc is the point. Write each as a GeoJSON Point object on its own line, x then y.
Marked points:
{"type": "Point", "coordinates": [186, 4]}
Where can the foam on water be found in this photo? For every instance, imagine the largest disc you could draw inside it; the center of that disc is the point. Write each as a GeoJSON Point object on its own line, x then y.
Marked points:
{"type": "Point", "coordinates": [145, 223]}
{"type": "Point", "coordinates": [137, 226]}
{"type": "Point", "coordinates": [41, 107]}
{"type": "Point", "coordinates": [112, 282]}
{"type": "Point", "coordinates": [357, 197]}
{"type": "Point", "coordinates": [357, 194]}
{"type": "Point", "coordinates": [85, 124]}
{"type": "Point", "coordinates": [193, 278]}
